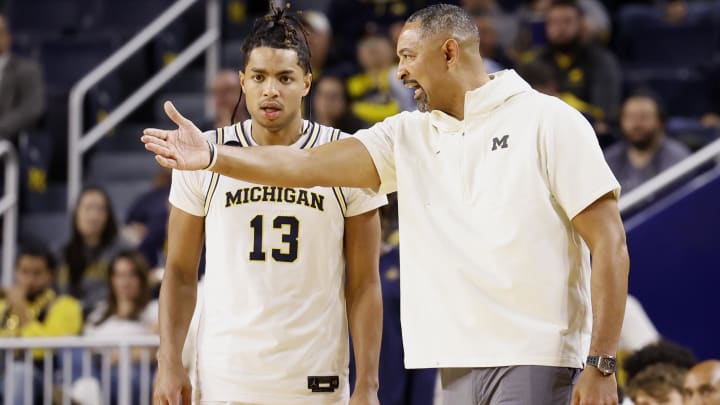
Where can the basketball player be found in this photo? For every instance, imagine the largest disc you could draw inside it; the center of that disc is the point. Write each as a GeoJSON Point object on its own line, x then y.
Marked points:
{"type": "Point", "coordinates": [277, 303]}
{"type": "Point", "coordinates": [503, 196]}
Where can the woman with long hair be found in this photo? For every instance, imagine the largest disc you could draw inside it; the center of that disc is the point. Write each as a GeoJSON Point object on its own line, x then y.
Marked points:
{"type": "Point", "coordinates": [127, 311]}
{"type": "Point", "coordinates": [93, 241]}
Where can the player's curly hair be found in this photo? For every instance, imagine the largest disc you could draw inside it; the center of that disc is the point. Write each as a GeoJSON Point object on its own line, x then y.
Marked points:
{"type": "Point", "coordinates": [660, 352]}
{"type": "Point", "coordinates": [279, 29]}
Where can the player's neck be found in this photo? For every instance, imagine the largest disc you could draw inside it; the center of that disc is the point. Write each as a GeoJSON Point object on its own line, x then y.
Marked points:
{"type": "Point", "coordinates": [286, 135]}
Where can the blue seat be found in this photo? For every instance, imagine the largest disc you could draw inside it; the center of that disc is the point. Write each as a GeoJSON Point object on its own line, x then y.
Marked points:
{"type": "Point", "coordinates": [124, 138]}
{"type": "Point", "coordinates": [44, 18]}
{"type": "Point", "coordinates": [67, 61]}
{"type": "Point", "coordinates": [232, 56]}
{"type": "Point", "coordinates": [191, 105]}
{"type": "Point", "coordinates": [106, 167]}
{"type": "Point", "coordinates": [691, 132]}
{"type": "Point", "coordinates": [124, 193]}
{"type": "Point", "coordinates": [683, 92]}
{"type": "Point", "coordinates": [53, 229]}
{"type": "Point", "coordinates": [646, 40]}
{"type": "Point", "coordinates": [127, 17]}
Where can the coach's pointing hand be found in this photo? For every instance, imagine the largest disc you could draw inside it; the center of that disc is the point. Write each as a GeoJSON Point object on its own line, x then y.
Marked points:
{"type": "Point", "coordinates": [183, 148]}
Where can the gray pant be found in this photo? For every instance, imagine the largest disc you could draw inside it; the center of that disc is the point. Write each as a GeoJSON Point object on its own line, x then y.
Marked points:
{"type": "Point", "coordinates": [515, 385]}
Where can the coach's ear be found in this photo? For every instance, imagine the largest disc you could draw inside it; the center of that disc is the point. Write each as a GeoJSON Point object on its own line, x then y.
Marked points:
{"type": "Point", "coordinates": [308, 82]}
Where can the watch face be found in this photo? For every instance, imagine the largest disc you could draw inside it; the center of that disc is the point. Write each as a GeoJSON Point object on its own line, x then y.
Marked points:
{"type": "Point", "coordinates": [607, 364]}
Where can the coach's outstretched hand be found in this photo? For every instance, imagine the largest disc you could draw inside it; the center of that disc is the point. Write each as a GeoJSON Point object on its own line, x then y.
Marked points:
{"type": "Point", "coordinates": [183, 148]}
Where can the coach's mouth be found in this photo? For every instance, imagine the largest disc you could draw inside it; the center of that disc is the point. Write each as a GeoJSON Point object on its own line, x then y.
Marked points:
{"type": "Point", "coordinates": [419, 92]}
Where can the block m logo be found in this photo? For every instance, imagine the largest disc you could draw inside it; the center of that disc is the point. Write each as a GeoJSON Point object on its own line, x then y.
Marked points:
{"type": "Point", "coordinates": [501, 143]}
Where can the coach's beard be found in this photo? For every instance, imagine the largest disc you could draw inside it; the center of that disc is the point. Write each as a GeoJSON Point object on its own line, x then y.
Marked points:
{"type": "Point", "coordinates": [422, 102]}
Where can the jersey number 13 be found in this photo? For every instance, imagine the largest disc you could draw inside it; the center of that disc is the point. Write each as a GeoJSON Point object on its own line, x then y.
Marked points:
{"type": "Point", "coordinates": [291, 228]}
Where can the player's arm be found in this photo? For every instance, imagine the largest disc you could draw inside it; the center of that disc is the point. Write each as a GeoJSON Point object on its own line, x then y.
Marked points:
{"type": "Point", "coordinates": [364, 298]}
{"type": "Point", "coordinates": [344, 163]}
{"type": "Point", "coordinates": [601, 227]}
{"type": "Point", "coordinates": [177, 302]}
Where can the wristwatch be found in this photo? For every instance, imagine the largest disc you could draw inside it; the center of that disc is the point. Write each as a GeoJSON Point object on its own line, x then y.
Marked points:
{"type": "Point", "coordinates": [606, 363]}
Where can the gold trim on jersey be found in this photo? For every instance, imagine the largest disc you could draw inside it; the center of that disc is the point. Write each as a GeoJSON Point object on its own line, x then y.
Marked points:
{"type": "Point", "coordinates": [215, 176]}
{"type": "Point", "coordinates": [242, 138]}
{"type": "Point", "coordinates": [339, 195]}
{"type": "Point", "coordinates": [312, 140]}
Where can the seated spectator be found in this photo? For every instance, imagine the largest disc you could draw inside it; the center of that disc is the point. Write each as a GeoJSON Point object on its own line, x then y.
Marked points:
{"type": "Point", "coordinates": [702, 384]}
{"type": "Point", "coordinates": [504, 25]}
{"type": "Point", "coordinates": [225, 90]}
{"type": "Point", "coordinates": [493, 53]}
{"type": "Point", "coordinates": [31, 308]}
{"type": "Point", "coordinates": [586, 70]}
{"type": "Point", "coordinates": [331, 106]}
{"type": "Point", "coordinates": [659, 384]}
{"type": "Point", "coordinates": [93, 242]}
{"type": "Point", "coordinates": [128, 311]}
{"type": "Point", "coordinates": [319, 36]}
{"type": "Point", "coordinates": [22, 89]}
{"type": "Point", "coordinates": [662, 352]}
{"type": "Point", "coordinates": [375, 93]}
{"type": "Point", "coordinates": [146, 222]}
{"type": "Point", "coordinates": [645, 150]}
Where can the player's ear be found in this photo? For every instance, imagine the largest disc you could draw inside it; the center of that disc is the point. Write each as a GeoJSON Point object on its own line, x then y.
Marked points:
{"type": "Point", "coordinates": [307, 81]}
{"type": "Point", "coordinates": [242, 80]}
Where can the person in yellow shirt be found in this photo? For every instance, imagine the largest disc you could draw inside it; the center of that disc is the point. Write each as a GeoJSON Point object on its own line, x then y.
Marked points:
{"type": "Point", "coordinates": [31, 308]}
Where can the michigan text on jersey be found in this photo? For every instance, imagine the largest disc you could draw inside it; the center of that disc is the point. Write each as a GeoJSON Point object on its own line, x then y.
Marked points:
{"type": "Point", "coordinates": [275, 194]}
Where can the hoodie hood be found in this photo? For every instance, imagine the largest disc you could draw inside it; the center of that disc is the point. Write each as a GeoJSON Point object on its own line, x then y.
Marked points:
{"type": "Point", "coordinates": [484, 99]}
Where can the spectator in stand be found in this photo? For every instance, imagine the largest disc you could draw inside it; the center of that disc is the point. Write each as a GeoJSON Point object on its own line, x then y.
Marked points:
{"type": "Point", "coordinates": [375, 92]}
{"type": "Point", "coordinates": [505, 25]}
{"type": "Point", "coordinates": [22, 89]}
{"type": "Point", "coordinates": [319, 36]}
{"type": "Point", "coordinates": [493, 53]}
{"type": "Point", "coordinates": [127, 311]}
{"type": "Point", "coordinates": [331, 106]}
{"type": "Point", "coordinates": [659, 384]}
{"type": "Point", "coordinates": [93, 242]}
{"type": "Point", "coordinates": [147, 219]}
{"type": "Point", "coordinates": [225, 90]}
{"type": "Point", "coordinates": [664, 352]}
{"type": "Point", "coordinates": [702, 384]}
{"type": "Point", "coordinates": [645, 150]}
{"type": "Point", "coordinates": [586, 70]}
{"type": "Point", "coordinates": [30, 307]}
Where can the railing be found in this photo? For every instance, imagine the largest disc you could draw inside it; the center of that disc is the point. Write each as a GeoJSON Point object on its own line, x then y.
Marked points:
{"type": "Point", "coordinates": [68, 348]}
{"type": "Point", "coordinates": [9, 210]}
{"type": "Point", "coordinates": [646, 191]}
{"type": "Point", "coordinates": [79, 143]}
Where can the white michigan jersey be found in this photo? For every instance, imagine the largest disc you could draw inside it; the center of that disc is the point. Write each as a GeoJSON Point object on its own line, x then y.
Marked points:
{"type": "Point", "coordinates": [274, 314]}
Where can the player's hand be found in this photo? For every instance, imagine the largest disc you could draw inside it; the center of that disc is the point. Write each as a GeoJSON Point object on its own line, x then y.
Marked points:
{"type": "Point", "coordinates": [595, 389]}
{"type": "Point", "coordinates": [364, 397]}
{"type": "Point", "coordinates": [183, 148]}
{"type": "Point", "coordinates": [172, 386]}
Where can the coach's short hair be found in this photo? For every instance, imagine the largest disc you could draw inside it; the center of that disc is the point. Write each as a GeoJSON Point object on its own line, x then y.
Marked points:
{"type": "Point", "coordinates": [445, 18]}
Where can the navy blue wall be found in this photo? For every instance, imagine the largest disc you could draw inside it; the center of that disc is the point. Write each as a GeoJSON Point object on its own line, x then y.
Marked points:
{"type": "Point", "coordinates": [675, 264]}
